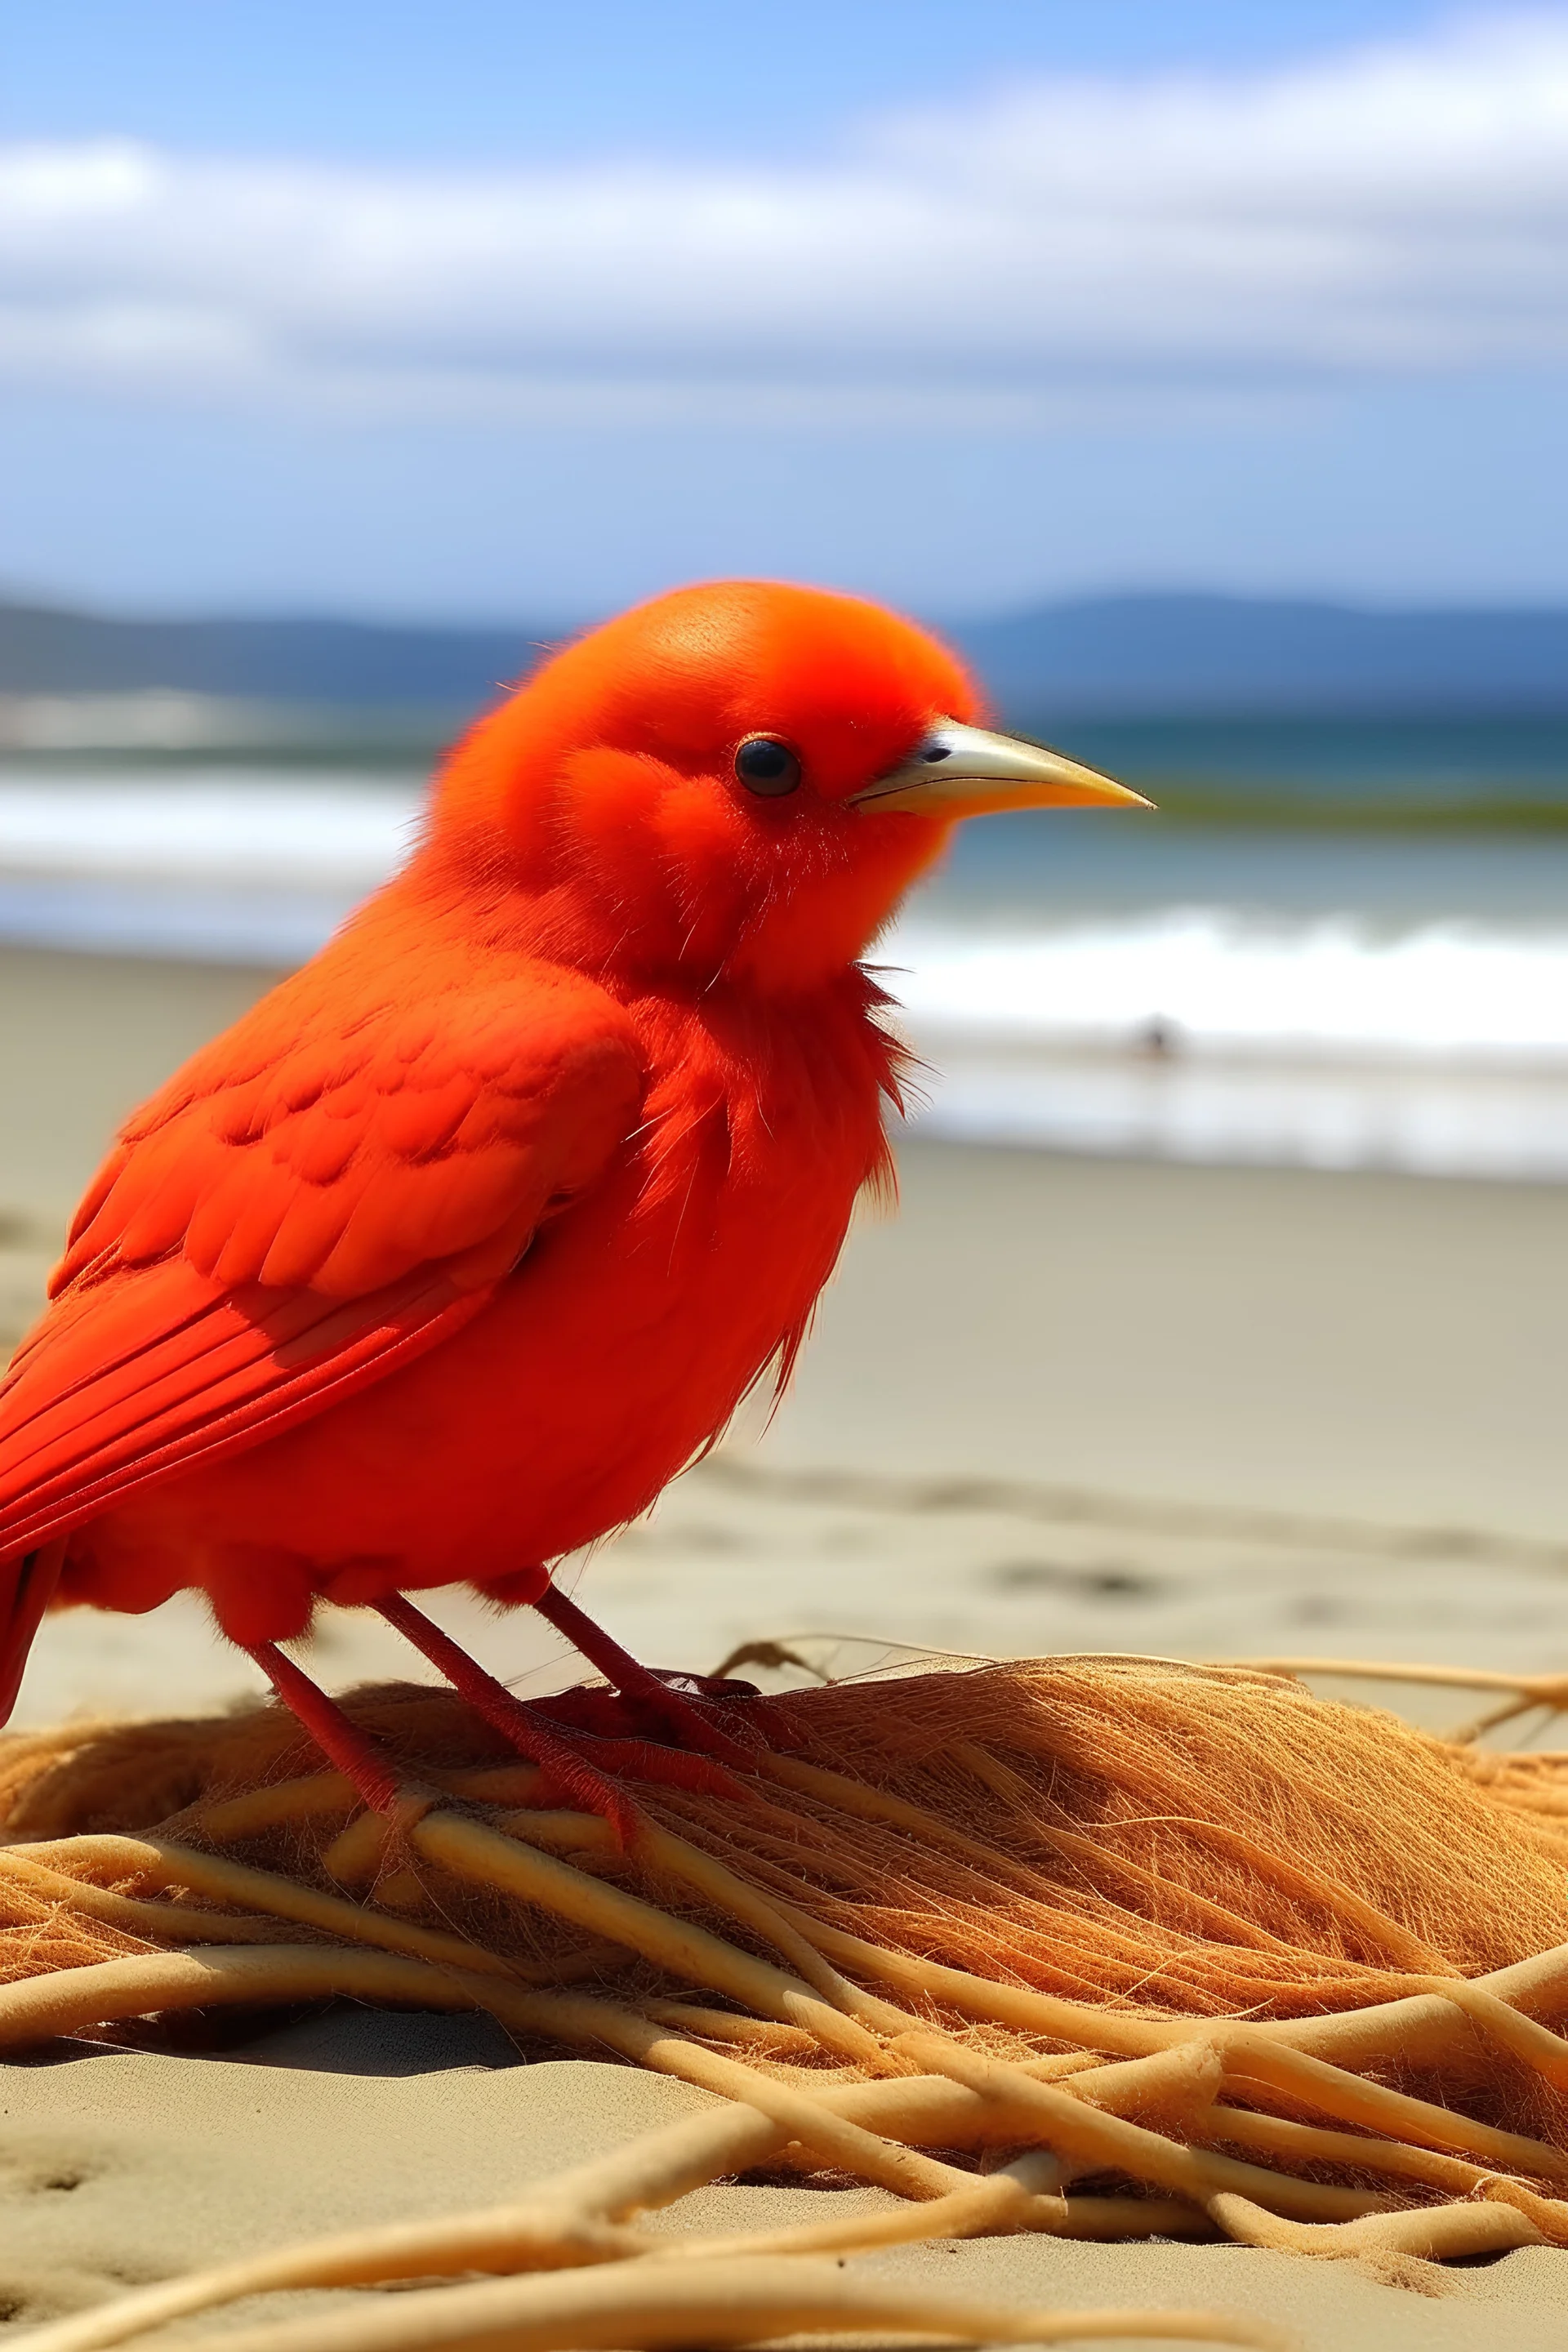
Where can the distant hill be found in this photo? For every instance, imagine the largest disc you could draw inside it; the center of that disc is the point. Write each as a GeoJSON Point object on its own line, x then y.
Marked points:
{"type": "Point", "coordinates": [297, 661]}
{"type": "Point", "coordinates": [1110, 656]}
{"type": "Point", "coordinates": [1169, 656]}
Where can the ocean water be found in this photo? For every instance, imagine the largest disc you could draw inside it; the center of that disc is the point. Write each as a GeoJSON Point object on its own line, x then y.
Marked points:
{"type": "Point", "coordinates": [1109, 983]}
{"type": "Point", "coordinates": [1507, 759]}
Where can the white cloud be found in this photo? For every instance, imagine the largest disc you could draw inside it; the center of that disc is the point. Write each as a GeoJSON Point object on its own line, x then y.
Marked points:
{"type": "Point", "coordinates": [1396, 209]}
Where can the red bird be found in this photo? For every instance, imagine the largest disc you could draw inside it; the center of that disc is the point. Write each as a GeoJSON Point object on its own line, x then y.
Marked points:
{"type": "Point", "coordinates": [445, 1258]}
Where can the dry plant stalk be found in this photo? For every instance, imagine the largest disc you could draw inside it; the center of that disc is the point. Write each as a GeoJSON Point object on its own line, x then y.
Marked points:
{"type": "Point", "coordinates": [1522, 1694]}
{"type": "Point", "coordinates": [969, 1941]}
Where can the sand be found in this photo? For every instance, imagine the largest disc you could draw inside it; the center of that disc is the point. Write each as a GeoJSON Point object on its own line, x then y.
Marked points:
{"type": "Point", "coordinates": [1058, 1405]}
{"type": "Point", "coordinates": [176, 2161]}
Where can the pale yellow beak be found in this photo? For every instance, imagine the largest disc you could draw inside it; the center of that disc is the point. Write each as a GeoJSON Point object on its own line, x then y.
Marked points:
{"type": "Point", "coordinates": [960, 771]}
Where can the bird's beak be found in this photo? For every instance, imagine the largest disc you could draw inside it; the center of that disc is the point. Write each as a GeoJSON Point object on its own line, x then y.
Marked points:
{"type": "Point", "coordinates": [958, 771]}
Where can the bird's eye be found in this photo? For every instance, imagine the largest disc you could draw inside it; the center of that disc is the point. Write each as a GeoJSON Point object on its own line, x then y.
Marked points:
{"type": "Point", "coordinates": [767, 767]}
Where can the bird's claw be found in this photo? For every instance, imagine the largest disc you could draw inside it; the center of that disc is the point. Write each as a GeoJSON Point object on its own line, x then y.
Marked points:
{"type": "Point", "coordinates": [754, 1719]}
{"type": "Point", "coordinates": [672, 1715]}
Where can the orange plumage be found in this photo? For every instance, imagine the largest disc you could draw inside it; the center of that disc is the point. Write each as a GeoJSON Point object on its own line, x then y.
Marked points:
{"type": "Point", "coordinates": [451, 1252]}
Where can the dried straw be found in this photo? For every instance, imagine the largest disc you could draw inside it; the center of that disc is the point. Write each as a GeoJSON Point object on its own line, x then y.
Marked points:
{"type": "Point", "coordinates": [1159, 1949]}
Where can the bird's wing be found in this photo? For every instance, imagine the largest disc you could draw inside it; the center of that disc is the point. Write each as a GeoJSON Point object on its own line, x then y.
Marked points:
{"type": "Point", "coordinates": [324, 1193]}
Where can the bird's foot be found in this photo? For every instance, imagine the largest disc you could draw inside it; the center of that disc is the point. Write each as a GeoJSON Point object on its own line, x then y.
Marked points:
{"type": "Point", "coordinates": [756, 1719]}
{"type": "Point", "coordinates": [662, 1713]}
{"type": "Point", "coordinates": [715, 1717]}
{"type": "Point", "coordinates": [569, 1777]}
{"type": "Point", "coordinates": [618, 1728]}
{"type": "Point", "coordinates": [691, 1713]}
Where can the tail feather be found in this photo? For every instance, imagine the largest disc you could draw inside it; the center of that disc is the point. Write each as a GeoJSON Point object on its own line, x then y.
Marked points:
{"type": "Point", "coordinates": [26, 1587]}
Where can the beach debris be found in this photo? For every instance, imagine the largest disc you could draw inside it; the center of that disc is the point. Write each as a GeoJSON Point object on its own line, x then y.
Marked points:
{"type": "Point", "coordinates": [1094, 1946]}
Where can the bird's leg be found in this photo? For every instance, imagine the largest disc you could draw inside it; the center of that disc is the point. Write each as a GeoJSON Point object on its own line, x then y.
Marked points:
{"type": "Point", "coordinates": [340, 1741]}
{"type": "Point", "coordinates": [567, 1774]}
{"type": "Point", "coordinates": [665, 1703]}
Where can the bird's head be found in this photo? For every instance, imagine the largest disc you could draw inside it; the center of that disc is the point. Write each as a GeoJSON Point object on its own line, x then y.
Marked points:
{"type": "Point", "coordinates": [742, 778]}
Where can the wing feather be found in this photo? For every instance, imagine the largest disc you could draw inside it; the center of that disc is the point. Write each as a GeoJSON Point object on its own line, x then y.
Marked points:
{"type": "Point", "coordinates": [335, 1185]}
{"type": "Point", "coordinates": [237, 1367]}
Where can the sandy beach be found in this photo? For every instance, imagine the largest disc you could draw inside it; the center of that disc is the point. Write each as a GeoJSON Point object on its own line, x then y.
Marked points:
{"type": "Point", "coordinates": [353, 2120]}
{"type": "Point", "coordinates": [1056, 1405]}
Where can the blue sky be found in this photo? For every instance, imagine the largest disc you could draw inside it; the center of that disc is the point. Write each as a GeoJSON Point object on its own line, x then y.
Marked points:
{"type": "Point", "coordinates": [508, 80]}
{"type": "Point", "coordinates": [502, 311]}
